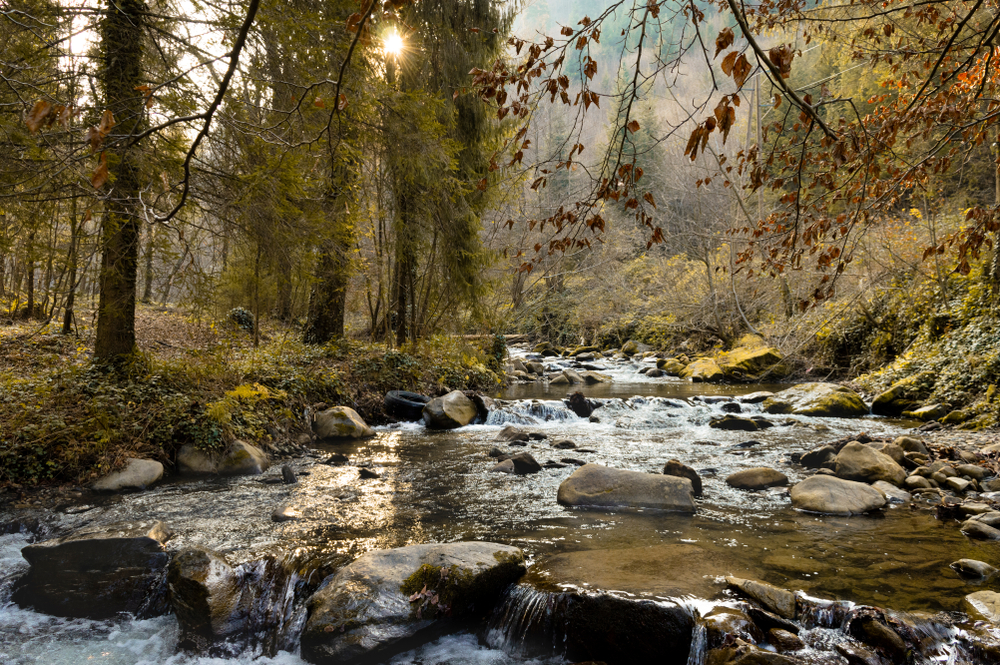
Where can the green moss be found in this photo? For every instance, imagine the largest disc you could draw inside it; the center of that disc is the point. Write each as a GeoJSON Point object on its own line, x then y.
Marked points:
{"type": "Point", "coordinates": [456, 591]}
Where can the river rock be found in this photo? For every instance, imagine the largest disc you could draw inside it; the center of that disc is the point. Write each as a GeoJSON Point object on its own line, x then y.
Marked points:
{"type": "Point", "coordinates": [960, 485]}
{"type": "Point", "coordinates": [137, 474]}
{"type": "Point", "coordinates": [243, 459]}
{"type": "Point", "coordinates": [703, 370]}
{"type": "Point", "coordinates": [836, 496]}
{"type": "Point", "coordinates": [818, 457]}
{"type": "Point", "coordinates": [385, 597]}
{"type": "Point", "coordinates": [929, 412]}
{"type": "Point", "coordinates": [725, 625]}
{"type": "Point", "coordinates": [97, 574]}
{"type": "Point", "coordinates": [856, 461]}
{"type": "Point", "coordinates": [560, 379]}
{"type": "Point", "coordinates": [503, 466]}
{"type": "Point", "coordinates": [752, 364]}
{"type": "Point", "coordinates": [191, 459]}
{"type": "Point", "coordinates": [564, 444]}
{"type": "Point", "coordinates": [911, 444]}
{"type": "Point", "coordinates": [205, 595]}
{"type": "Point", "coordinates": [670, 366]}
{"type": "Point", "coordinates": [817, 399]}
{"type": "Point", "coordinates": [980, 530]}
{"type": "Point", "coordinates": [450, 411]}
{"type": "Point", "coordinates": [973, 569]}
{"type": "Point", "coordinates": [784, 641]}
{"type": "Point", "coordinates": [983, 605]}
{"type": "Point", "coordinates": [734, 423]}
{"type": "Point", "coordinates": [512, 433]}
{"type": "Point", "coordinates": [599, 486]}
{"type": "Point", "coordinates": [580, 405]}
{"type": "Point", "coordinates": [777, 600]}
{"type": "Point", "coordinates": [758, 478]}
{"type": "Point", "coordinates": [891, 492]}
{"type": "Point", "coordinates": [340, 422]}
{"type": "Point", "coordinates": [535, 367]}
{"type": "Point", "coordinates": [681, 470]}
{"type": "Point", "coordinates": [591, 377]}
{"type": "Point", "coordinates": [524, 464]}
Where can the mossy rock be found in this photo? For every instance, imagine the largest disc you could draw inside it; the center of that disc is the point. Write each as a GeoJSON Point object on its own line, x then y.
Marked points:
{"type": "Point", "coordinates": [903, 395]}
{"type": "Point", "coordinates": [670, 366]}
{"type": "Point", "coordinates": [703, 370]}
{"type": "Point", "coordinates": [752, 364]}
{"type": "Point", "coordinates": [389, 596]}
{"type": "Point", "coordinates": [929, 412]}
{"type": "Point", "coordinates": [817, 399]}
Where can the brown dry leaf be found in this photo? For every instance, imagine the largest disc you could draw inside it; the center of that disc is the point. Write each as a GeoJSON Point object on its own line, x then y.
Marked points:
{"type": "Point", "coordinates": [95, 139]}
{"type": "Point", "coordinates": [37, 115]}
{"type": "Point", "coordinates": [101, 174]}
{"type": "Point", "coordinates": [107, 122]}
{"type": "Point", "coordinates": [633, 126]}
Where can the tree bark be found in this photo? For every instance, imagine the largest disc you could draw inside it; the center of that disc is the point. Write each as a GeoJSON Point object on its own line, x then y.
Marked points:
{"type": "Point", "coordinates": [121, 42]}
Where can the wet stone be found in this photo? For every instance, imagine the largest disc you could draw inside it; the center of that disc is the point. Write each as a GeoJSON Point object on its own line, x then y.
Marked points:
{"type": "Point", "coordinates": [973, 569]}
{"type": "Point", "coordinates": [984, 605]}
{"type": "Point", "coordinates": [679, 469]}
{"type": "Point", "coordinates": [980, 531]}
{"type": "Point", "coordinates": [784, 641]}
{"type": "Point", "coordinates": [564, 444]}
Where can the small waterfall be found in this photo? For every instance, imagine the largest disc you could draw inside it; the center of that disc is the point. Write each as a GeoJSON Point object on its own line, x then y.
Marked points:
{"type": "Point", "coordinates": [819, 613]}
{"type": "Point", "coordinates": [699, 642]}
{"type": "Point", "coordinates": [530, 412]}
{"type": "Point", "coordinates": [525, 623]}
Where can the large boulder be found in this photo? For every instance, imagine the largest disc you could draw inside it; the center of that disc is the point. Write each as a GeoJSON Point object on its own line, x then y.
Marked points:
{"type": "Point", "coordinates": [599, 486]}
{"type": "Point", "coordinates": [777, 600]}
{"type": "Point", "coordinates": [340, 422]}
{"type": "Point", "coordinates": [375, 604]}
{"type": "Point", "coordinates": [97, 574]}
{"type": "Point", "coordinates": [243, 459]}
{"type": "Point", "coordinates": [137, 474]}
{"type": "Point", "coordinates": [751, 364]}
{"type": "Point", "coordinates": [703, 370]}
{"type": "Point", "coordinates": [450, 411]}
{"type": "Point", "coordinates": [836, 496]}
{"type": "Point", "coordinates": [817, 399]}
{"type": "Point", "coordinates": [856, 461]}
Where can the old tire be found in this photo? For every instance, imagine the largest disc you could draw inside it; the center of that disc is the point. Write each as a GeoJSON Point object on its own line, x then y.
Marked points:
{"type": "Point", "coordinates": [405, 405]}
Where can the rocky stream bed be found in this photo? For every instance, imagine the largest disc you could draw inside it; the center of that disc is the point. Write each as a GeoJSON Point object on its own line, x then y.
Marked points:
{"type": "Point", "coordinates": [650, 519]}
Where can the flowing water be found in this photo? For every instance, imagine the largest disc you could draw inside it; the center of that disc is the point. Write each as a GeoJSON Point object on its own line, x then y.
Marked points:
{"type": "Point", "coordinates": [437, 487]}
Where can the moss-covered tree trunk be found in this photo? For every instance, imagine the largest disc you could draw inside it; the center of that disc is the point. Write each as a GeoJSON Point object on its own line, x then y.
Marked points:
{"type": "Point", "coordinates": [121, 44]}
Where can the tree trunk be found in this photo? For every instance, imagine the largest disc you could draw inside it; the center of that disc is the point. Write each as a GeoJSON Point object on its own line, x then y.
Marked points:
{"type": "Point", "coordinates": [328, 299]}
{"type": "Point", "coordinates": [121, 42]}
{"type": "Point", "coordinates": [71, 267]}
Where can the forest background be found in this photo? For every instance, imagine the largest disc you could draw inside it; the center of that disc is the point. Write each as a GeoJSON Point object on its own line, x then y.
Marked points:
{"type": "Point", "coordinates": [214, 215]}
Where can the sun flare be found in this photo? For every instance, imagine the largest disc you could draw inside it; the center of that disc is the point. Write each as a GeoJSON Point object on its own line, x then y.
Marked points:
{"type": "Point", "coordinates": [393, 44]}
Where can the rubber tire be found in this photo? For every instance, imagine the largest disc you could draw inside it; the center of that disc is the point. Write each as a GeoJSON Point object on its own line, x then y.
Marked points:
{"type": "Point", "coordinates": [405, 405]}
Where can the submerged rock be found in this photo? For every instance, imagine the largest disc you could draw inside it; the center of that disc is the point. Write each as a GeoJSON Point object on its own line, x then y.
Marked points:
{"type": "Point", "coordinates": [973, 569]}
{"type": "Point", "coordinates": [758, 478]}
{"type": "Point", "coordinates": [817, 399]}
{"type": "Point", "coordinates": [836, 496]}
{"type": "Point", "coordinates": [137, 474]}
{"type": "Point", "coordinates": [450, 411]}
{"type": "Point", "coordinates": [97, 574]}
{"type": "Point", "coordinates": [734, 423]}
{"type": "Point", "coordinates": [984, 605]}
{"type": "Point", "coordinates": [599, 486]}
{"type": "Point", "coordinates": [340, 422]}
{"type": "Point", "coordinates": [374, 604]}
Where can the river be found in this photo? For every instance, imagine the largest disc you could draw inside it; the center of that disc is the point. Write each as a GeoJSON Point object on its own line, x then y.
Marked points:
{"type": "Point", "coordinates": [437, 487]}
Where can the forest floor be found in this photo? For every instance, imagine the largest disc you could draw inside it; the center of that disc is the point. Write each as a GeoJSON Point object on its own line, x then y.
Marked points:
{"type": "Point", "coordinates": [201, 381]}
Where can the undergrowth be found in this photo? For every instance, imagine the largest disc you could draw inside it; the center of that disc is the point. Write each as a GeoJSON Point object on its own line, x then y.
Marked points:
{"type": "Point", "coordinates": [68, 421]}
